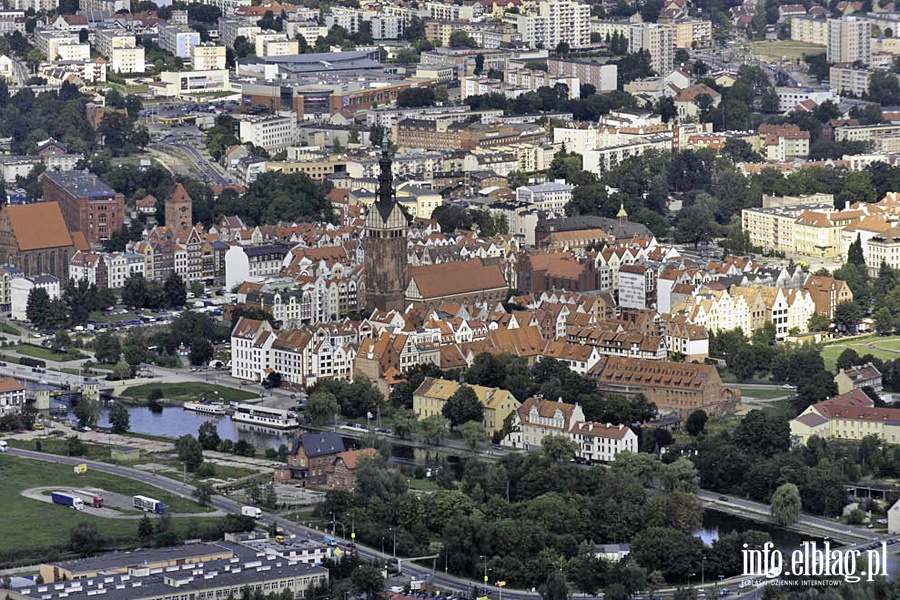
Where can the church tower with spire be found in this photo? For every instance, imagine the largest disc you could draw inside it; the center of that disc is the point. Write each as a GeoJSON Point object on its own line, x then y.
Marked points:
{"type": "Point", "coordinates": [385, 244]}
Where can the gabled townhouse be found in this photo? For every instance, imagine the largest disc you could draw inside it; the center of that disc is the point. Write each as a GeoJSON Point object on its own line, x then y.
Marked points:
{"type": "Point", "coordinates": [431, 396]}
{"type": "Point", "coordinates": [251, 348]}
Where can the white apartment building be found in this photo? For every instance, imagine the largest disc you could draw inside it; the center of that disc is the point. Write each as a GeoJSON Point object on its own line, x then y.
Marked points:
{"type": "Point", "coordinates": [207, 57]}
{"type": "Point", "coordinates": [35, 5]}
{"type": "Point", "coordinates": [228, 7]}
{"type": "Point", "coordinates": [453, 12]}
{"type": "Point", "coordinates": [12, 20]}
{"type": "Point", "coordinates": [121, 266]}
{"type": "Point", "coordinates": [848, 80]}
{"type": "Point", "coordinates": [310, 31]}
{"type": "Point", "coordinates": [251, 348]}
{"type": "Point", "coordinates": [348, 18]}
{"type": "Point", "coordinates": [20, 287]}
{"type": "Point", "coordinates": [659, 41]}
{"type": "Point", "coordinates": [272, 43]}
{"type": "Point", "coordinates": [386, 27]}
{"type": "Point", "coordinates": [272, 132]}
{"type": "Point", "coordinates": [810, 30]}
{"type": "Point", "coordinates": [178, 40]}
{"type": "Point", "coordinates": [790, 97]}
{"type": "Point", "coordinates": [231, 29]}
{"type": "Point", "coordinates": [61, 45]}
{"type": "Point", "coordinates": [553, 195]}
{"type": "Point", "coordinates": [599, 442]}
{"type": "Point", "coordinates": [121, 50]}
{"type": "Point", "coordinates": [556, 22]}
{"type": "Point", "coordinates": [849, 40]}
{"type": "Point", "coordinates": [104, 6]}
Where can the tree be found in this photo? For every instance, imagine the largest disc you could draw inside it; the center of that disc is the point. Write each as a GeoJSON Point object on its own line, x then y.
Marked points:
{"type": "Point", "coordinates": [175, 289]}
{"type": "Point", "coordinates": [202, 351]}
{"type": "Point", "coordinates": [786, 504]}
{"type": "Point", "coordinates": [559, 448]}
{"type": "Point", "coordinates": [367, 580]}
{"type": "Point", "coordinates": [190, 452]}
{"type": "Point", "coordinates": [554, 587]}
{"type": "Point", "coordinates": [847, 316]}
{"type": "Point", "coordinates": [322, 407]}
{"type": "Point", "coordinates": [60, 342]}
{"type": "Point", "coordinates": [119, 418]}
{"type": "Point", "coordinates": [434, 428]}
{"type": "Point", "coordinates": [85, 539]}
{"type": "Point", "coordinates": [145, 528]}
{"type": "Point", "coordinates": [414, 97]}
{"type": "Point", "coordinates": [463, 406]}
{"type": "Point", "coordinates": [204, 492]}
{"type": "Point", "coordinates": [818, 322]}
{"type": "Point", "coordinates": [38, 305]}
{"type": "Point", "coordinates": [121, 371]}
{"type": "Point", "coordinates": [87, 411]}
{"type": "Point", "coordinates": [461, 39]}
{"type": "Point", "coordinates": [696, 422]}
{"type": "Point", "coordinates": [473, 433]}
{"type": "Point", "coordinates": [208, 436]}
{"type": "Point", "coordinates": [479, 64]}
{"type": "Point", "coordinates": [107, 348]}
{"type": "Point", "coordinates": [847, 359]}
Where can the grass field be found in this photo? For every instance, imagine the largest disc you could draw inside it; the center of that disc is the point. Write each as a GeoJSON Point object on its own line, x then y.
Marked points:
{"type": "Point", "coordinates": [6, 328]}
{"type": "Point", "coordinates": [788, 49]}
{"type": "Point", "coordinates": [766, 394]}
{"type": "Point", "coordinates": [31, 524]}
{"type": "Point", "coordinates": [780, 408]}
{"type": "Point", "coordinates": [102, 318]}
{"type": "Point", "coordinates": [861, 345]}
{"type": "Point", "coordinates": [45, 353]}
{"type": "Point", "coordinates": [189, 391]}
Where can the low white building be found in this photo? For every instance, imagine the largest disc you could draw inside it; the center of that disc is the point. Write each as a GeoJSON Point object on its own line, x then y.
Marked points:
{"type": "Point", "coordinates": [600, 442]}
{"type": "Point", "coordinates": [553, 195]}
{"type": "Point", "coordinates": [242, 263]}
{"type": "Point", "coordinates": [12, 395]}
{"type": "Point", "coordinates": [274, 133]}
{"type": "Point", "coordinates": [20, 288]}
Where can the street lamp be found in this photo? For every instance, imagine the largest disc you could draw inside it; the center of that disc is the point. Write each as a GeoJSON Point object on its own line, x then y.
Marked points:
{"type": "Point", "coordinates": [394, 537]}
{"type": "Point", "coordinates": [702, 571]}
{"type": "Point", "coordinates": [484, 558]}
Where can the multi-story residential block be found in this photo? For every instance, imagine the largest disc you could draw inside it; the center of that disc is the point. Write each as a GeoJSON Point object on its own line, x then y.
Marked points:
{"type": "Point", "coordinates": [121, 50]}
{"type": "Point", "coordinates": [12, 20]}
{"type": "Point", "coordinates": [599, 442]}
{"type": "Point", "coordinates": [386, 27]}
{"type": "Point", "coordinates": [272, 132]}
{"type": "Point", "coordinates": [849, 41]}
{"type": "Point", "coordinates": [348, 18]}
{"type": "Point", "coordinates": [273, 43]}
{"type": "Point", "coordinates": [178, 39]}
{"type": "Point", "coordinates": [309, 30]}
{"type": "Point", "coordinates": [790, 97]}
{"type": "Point", "coordinates": [773, 227]}
{"type": "Point", "coordinates": [779, 143]}
{"type": "Point", "coordinates": [637, 287]}
{"type": "Point", "coordinates": [693, 33]}
{"type": "Point", "coordinates": [556, 22]}
{"type": "Point", "coordinates": [848, 80]}
{"type": "Point", "coordinates": [553, 195]}
{"type": "Point", "coordinates": [109, 7]}
{"type": "Point", "coordinates": [604, 78]}
{"type": "Point", "coordinates": [61, 45]}
{"type": "Point", "coordinates": [811, 30]}
{"type": "Point", "coordinates": [430, 397]}
{"type": "Point", "coordinates": [207, 56]}
{"type": "Point", "coordinates": [87, 204]}
{"type": "Point", "coordinates": [658, 40]}
{"type": "Point", "coordinates": [20, 288]}
{"type": "Point", "coordinates": [453, 12]}
{"type": "Point", "coordinates": [232, 28]}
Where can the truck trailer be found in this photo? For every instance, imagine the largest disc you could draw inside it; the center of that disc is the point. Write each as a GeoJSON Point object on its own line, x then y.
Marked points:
{"type": "Point", "coordinates": [70, 500]}
{"type": "Point", "coordinates": [149, 504]}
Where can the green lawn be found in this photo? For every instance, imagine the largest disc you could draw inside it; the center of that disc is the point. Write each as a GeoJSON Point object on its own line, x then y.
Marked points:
{"type": "Point", "coordinates": [831, 352]}
{"type": "Point", "coordinates": [789, 49]}
{"type": "Point", "coordinates": [7, 328]}
{"type": "Point", "coordinates": [32, 526]}
{"type": "Point", "coordinates": [888, 343]}
{"type": "Point", "coordinates": [766, 394]}
{"type": "Point", "coordinates": [422, 485]}
{"type": "Point", "coordinates": [189, 391]}
{"type": "Point", "coordinates": [780, 408]}
{"type": "Point", "coordinates": [45, 353]}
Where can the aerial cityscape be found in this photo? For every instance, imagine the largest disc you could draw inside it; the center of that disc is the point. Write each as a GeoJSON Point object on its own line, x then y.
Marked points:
{"type": "Point", "coordinates": [463, 299]}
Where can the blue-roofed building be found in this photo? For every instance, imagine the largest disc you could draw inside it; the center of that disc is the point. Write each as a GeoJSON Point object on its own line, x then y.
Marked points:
{"type": "Point", "coordinates": [309, 459]}
{"type": "Point", "coordinates": [88, 205]}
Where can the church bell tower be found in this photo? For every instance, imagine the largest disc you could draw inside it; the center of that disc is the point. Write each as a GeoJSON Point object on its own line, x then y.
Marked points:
{"type": "Point", "coordinates": [385, 244]}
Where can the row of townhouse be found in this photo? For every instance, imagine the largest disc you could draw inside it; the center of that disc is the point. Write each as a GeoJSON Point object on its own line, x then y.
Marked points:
{"type": "Point", "coordinates": [188, 252]}
{"type": "Point", "coordinates": [105, 269]}
{"type": "Point", "coordinates": [312, 300]}
{"type": "Point", "coordinates": [749, 308]}
{"type": "Point", "coordinates": [301, 357]}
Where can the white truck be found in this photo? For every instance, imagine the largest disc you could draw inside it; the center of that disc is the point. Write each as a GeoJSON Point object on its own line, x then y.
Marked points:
{"type": "Point", "coordinates": [251, 511]}
{"type": "Point", "coordinates": [3, 446]}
